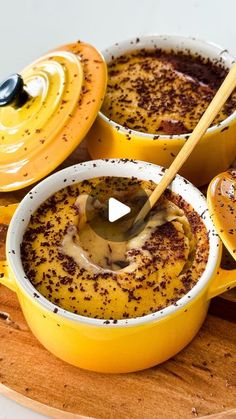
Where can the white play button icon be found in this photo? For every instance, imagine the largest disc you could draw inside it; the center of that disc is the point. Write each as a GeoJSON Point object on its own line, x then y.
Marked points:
{"type": "Point", "coordinates": [117, 209]}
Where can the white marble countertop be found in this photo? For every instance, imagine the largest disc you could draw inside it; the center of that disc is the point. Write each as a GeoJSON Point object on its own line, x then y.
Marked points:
{"type": "Point", "coordinates": [31, 27]}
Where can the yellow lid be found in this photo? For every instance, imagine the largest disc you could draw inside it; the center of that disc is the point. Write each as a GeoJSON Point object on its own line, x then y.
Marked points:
{"type": "Point", "coordinates": [46, 111]}
{"type": "Point", "coordinates": [221, 197]}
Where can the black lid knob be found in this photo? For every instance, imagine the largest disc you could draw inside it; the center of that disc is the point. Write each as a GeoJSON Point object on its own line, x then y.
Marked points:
{"type": "Point", "coordinates": [12, 91]}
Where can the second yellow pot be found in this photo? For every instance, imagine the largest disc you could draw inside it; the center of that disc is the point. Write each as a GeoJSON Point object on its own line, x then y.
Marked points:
{"type": "Point", "coordinates": [215, 152]}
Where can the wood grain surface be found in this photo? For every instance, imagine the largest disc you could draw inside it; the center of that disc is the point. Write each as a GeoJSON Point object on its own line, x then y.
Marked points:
{"type": "Point", "coordinates": [199, 381]}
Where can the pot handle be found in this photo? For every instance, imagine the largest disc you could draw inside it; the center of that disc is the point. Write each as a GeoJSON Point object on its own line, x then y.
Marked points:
{"type": "Point", "coordinates": [223, 281]}
{"type": "Point", "coordinates": [5, 278]}
{"type": "Point", "coordinates": [6, 213]}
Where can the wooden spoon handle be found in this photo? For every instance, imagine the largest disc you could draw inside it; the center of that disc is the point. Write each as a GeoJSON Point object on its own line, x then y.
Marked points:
{"type": "Point", "coordinates": [207, 118]}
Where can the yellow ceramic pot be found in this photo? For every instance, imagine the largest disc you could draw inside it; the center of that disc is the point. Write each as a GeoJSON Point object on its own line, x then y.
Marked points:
{"type": "Point", "coordinates": [130, 344]}
{"type": "Point", "coordinates": [214, 153]}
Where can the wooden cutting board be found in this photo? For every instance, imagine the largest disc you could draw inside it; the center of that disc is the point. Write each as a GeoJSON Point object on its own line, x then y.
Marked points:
{"type": "Point", "coordinates": [199, 381]}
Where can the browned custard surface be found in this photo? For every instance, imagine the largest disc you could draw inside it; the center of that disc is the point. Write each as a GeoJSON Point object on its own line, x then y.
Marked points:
{"type": "Point", "coordinates": [73, 267]}
{"type": "Point", "coordinates": [160, 92]}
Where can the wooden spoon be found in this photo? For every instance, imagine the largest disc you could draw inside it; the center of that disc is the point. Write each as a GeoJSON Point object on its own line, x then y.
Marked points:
{"type": "Point", "coordinates": [209, 115]}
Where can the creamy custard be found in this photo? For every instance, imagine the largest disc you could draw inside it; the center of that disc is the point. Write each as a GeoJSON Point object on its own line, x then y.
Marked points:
{"type": "Point", "coordinates": [83, 272]}
{"type": "Point", "coordinates": [160, 92]}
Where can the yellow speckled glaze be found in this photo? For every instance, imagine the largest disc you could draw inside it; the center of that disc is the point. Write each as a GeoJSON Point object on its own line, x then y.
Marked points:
{"type": "Point", "coordinates": [214, 153]}
{"type": "Point", "coordinates": [128, 345]}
